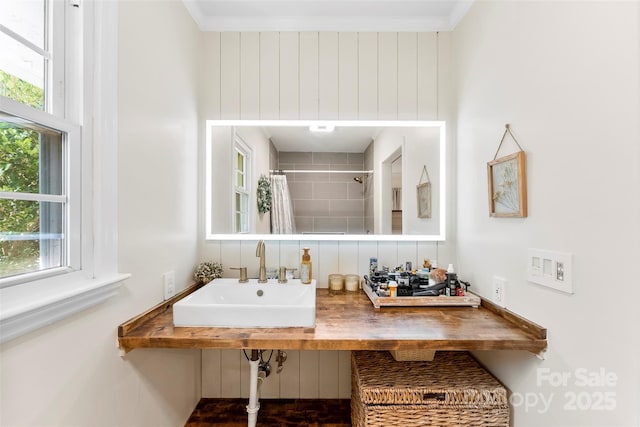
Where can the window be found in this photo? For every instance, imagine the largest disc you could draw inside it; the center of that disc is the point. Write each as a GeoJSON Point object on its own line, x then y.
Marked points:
{"type": "Point", "coordinates": [58, 255]}
{"type": "Point", "coordinates": [241, 188]}
{"type": "Point", "coordinates": [39, 145]}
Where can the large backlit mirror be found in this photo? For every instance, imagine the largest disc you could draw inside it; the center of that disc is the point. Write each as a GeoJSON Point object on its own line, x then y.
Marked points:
{"type": "Point", "coordinates": [312, 180]}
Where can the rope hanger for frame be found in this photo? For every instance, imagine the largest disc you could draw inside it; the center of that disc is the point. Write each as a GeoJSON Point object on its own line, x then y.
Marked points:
{"type": "Point", "coordinates": [507, 129]}
{"type": "Point", "coordinates": [507, 181]}
{"type": "Point", "coordinates": [424, 172]}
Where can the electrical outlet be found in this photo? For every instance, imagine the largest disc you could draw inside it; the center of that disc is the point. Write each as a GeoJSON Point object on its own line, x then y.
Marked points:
{"type": "Point", "coordinates": [169, 284]}
{"type": "Point", "coordinates": [499, 285]}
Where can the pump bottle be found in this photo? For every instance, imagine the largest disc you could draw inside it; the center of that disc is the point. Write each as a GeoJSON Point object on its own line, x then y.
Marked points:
{"type": "Point", "coordinates": [305, 267]}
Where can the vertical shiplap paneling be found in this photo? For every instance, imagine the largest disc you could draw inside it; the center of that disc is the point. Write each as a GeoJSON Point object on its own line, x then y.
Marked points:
{"type": "Point", "coordinates": [272, 254]}
{"type": "Point", "coordinates": [444, 82]}
{"type": "Point", "coordinates": [387, 254]}
{"type": "Point", "coordinates": [269, 75]}
{"type": "Point", "coordinates": [348, 257]}
{"type": "Point", "coordinates": [344, 374]}
{"type": "Point", "coordinates": [230, 75]}
{"type": "Point", "coordinates": [230, 256]}
{"type": "Point", "coordinates": [211, 373]}
{"type": "Point", "coordinates": [249, 259]}
{"type": "Point", "coordinates": [348, 76]}
{"type": "Point", "coordinates": [366, 251]}
{"type": "Point", "coordinates": [328, 371]}
{"type": "Point", "coordinates": [290, 376]}
{"type": "Point", "coordinates": [210, 251]}
{"type": "Point", "coordinates": [309, 75]}
{"type": "Point", "coordinates": [367, 76]}
{"type": "Point", "coordinates": [407, 251]}
{"type": "Point", "coordinates": [427, 76]}
{"type": "Point", "coordinates": [211, 76]}
{"type": "Point", "coordinates": [289, 75]}
{"type": "Point", "coordinates": [328, 76]}
{"type": "Point", "coordinates": [309, 374]}
{"type": "Point", "coordinates": [271, 385]}
{"type": "Point", "coordinates": [249, 75]}
{"type": "Point", "coordinates": [230, 377]}
{"type": "Point", "coordinates": [407, 76]}
{"type": "Point", "coordinates": [290, 254]}
{"type": "Point", "coordinates": [387, 76]}
{"type": "Point", "coordinates": [427, 250]}
{"type": "Point", "coordinates": [328, 262]}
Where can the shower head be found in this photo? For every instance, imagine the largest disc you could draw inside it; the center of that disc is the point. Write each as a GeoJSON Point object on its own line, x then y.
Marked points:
{"type": "Point", "coordinates": [358, 179]}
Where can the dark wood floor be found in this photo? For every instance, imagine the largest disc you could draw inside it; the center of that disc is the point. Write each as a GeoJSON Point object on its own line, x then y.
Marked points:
{"type": "Point", "coordinates": [273, 412]}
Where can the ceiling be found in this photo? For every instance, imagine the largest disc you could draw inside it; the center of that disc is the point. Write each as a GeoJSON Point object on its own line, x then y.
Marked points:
{"type": "Point", "coordinates": [341, 140]}
{"type": "Point", "coordinates": [327, 15]}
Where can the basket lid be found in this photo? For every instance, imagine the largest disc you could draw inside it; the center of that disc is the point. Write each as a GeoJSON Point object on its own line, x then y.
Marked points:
{"type": "Point", "coordinates": [451, 378]}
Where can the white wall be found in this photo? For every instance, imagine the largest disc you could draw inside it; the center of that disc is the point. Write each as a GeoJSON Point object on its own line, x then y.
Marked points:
{"type": "Point", "coordinates": [71, 373]}
{"type": "Point", "coordinates": [323, 75]}
{"type": "Point", "coordinates": [565, 76]}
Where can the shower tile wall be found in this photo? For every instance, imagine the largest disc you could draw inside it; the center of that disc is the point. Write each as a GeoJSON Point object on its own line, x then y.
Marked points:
{"type": "Point", "coordinates": [368, 191]}
{"type": "Point", "coordinates": [325, 202]}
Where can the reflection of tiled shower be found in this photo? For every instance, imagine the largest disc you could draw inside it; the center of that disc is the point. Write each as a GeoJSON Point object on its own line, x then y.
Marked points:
{"type": "Point", "coordinates": [326, 202]}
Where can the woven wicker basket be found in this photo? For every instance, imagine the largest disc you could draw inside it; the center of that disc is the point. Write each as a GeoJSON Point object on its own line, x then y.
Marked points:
{"type": "Point", "coordinates": [452, 390]}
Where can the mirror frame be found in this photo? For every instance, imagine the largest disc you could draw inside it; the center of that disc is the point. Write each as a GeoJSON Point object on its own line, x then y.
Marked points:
{"type": "Point", "coordinates": [209, 235]}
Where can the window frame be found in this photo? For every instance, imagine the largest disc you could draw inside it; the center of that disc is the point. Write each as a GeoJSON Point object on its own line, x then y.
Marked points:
{"type": "Point", "coordinates": [92, 68]}
{"type": "Point", "coordinates": [72, 169]}
{"type": "Point", "coordinates": [240, 147]}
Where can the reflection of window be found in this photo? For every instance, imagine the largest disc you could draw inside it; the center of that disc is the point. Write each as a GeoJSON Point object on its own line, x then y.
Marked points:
{"type": "Point", "coordinates": [241, 186]}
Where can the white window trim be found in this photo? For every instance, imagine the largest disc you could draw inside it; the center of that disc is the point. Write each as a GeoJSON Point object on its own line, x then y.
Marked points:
{"type": "Point", "coordinates": [32, 305]}
{"type": "Point", "coordinates": [242, 147]}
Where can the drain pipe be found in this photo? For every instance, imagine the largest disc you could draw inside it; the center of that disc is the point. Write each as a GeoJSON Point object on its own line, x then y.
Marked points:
{"type": "Point", "coordinates": [254, 405]}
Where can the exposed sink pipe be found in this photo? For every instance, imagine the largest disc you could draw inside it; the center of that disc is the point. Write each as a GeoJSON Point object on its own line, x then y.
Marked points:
{"type": "Point", "coordinates": [259, 370]}
{"type": "Point", "coordinates": [254, 406]}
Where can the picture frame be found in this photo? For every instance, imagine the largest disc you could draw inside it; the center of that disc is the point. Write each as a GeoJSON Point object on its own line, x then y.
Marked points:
{"type": "Point", "coordinates": [423, 192]}
{"type": "Point", "coordinates": [508, 186]}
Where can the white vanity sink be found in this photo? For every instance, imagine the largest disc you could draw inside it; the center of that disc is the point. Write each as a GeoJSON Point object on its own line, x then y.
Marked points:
{"type": "Point", "coordinates": [227, 303]}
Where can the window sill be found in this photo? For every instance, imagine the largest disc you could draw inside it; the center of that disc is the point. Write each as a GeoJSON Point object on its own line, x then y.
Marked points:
{"type": "Point", "coordinates": [33, 305]}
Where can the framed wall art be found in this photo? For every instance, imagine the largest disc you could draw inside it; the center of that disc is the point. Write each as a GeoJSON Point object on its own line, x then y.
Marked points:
{"type": "Point", "coordinates": [423, 190]}
{"type": "Point", "coordinates": [508, 186]}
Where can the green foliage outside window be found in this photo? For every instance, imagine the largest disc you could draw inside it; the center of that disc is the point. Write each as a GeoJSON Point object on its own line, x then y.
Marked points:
{"type": "Point", "coordinates": [19, 163]}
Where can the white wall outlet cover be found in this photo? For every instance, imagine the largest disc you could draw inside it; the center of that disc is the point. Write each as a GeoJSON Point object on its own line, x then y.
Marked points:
{"type": "Point", "coordinates": [551, 269]}
{"type": "Point", "coordinates": [499, 290]}
{"type": "Point", "coordinates": [169, 284]}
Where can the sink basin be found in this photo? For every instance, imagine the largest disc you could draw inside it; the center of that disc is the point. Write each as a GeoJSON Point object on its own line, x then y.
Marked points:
{"type": "Point", "coordinates": [227, 303]}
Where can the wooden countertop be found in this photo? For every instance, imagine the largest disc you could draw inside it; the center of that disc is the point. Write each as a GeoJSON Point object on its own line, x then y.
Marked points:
{"type": "Point", "coordinates": [349, 322]}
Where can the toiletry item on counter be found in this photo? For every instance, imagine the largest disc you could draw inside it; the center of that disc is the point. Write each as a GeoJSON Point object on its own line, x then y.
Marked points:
{"type": "Point", "coordinates": [393, 289]}
{"type": "Point", "coordinates": [373, 265]}
{"type": "Point", "coordinates": [452, 281]}
{"type": "Point", "coordinates": [305, 267]}
{"type": "Point", "coordinates": [414, 284]}
{"type": "Point", "coordinates": [351, 282]}
{"type": "Point", "coordinates": [336, 283]}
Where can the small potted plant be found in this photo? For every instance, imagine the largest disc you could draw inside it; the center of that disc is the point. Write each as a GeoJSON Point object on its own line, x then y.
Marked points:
{"type": "Point", "coordinates": [207, 271]}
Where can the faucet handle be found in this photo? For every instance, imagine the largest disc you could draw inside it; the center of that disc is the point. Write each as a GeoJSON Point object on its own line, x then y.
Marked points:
{"type": "Point", "coordinates": [282, 275]}
{"type": "Point", "coordinates": [243, 274]}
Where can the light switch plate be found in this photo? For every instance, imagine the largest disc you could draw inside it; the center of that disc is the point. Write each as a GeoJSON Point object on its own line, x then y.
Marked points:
{"type": "Point", "coordinates": [550, 268]}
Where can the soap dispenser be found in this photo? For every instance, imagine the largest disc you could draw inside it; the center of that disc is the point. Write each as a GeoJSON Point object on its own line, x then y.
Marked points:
{"type": "Point", "coordinates": [305, 267]}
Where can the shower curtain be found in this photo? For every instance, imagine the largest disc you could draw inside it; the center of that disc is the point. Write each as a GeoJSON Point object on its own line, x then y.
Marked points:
{"type": "Point", "coordinates": [282, 221]}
